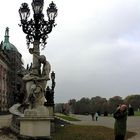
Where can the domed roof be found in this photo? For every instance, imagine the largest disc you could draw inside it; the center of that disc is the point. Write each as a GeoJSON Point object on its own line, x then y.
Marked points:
{"type": "Point", "coordinates": [6, 44]}
{"type": "Point", "coordinates": [9, 46]}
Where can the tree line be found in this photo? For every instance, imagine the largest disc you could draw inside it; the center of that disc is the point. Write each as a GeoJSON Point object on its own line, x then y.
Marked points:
{"type": "Point", "coordinates": [97, 104]}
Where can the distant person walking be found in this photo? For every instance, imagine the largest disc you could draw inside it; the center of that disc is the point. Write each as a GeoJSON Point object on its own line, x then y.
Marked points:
{"type": "Point", "coordinates": [120, 116]}
{"type": "Point", "coordinates": [96, 116]}
{"type": "Point", "coordinates": [92, 115]}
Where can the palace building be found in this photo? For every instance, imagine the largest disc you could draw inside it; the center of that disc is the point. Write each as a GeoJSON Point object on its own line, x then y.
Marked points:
{"type": "Point", "coordinates": [10, 64]}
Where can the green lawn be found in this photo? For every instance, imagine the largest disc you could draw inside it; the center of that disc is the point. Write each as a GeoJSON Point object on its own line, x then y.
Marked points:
{"type": "Point", "coordinates": [137, 113]}
{"type": "Point", "coordinates": [76, 132]}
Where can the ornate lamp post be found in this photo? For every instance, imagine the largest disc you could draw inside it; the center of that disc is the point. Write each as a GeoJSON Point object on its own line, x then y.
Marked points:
{"type": "Point", "coordinates": [36, 117]}
{"type": "Point", "coordinates": [37, 29]}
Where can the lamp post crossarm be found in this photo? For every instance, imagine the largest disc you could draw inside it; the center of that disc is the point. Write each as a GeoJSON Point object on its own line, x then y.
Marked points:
{"type": "Point", "coordinates": [37, 30]}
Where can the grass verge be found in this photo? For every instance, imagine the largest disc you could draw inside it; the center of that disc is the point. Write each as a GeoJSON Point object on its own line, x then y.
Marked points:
{"type": "Point", "coordinates": [77, 132]}
{"type": "Point", "coordinates": [137, 113]}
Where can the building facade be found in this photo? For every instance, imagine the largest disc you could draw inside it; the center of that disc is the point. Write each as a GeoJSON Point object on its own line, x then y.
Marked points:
{"type": "Point", "coordinates": [10, 64]}
{"type": "Point", "coordinates": [3, 82]}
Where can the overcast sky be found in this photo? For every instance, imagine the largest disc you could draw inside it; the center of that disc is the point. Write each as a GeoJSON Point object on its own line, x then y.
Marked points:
{"type": "Point", "coordinates": [94, 49]}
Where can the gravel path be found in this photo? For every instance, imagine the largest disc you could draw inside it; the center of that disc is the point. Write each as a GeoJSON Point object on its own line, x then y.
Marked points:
{"type": "Point", "coordinates": [4, 122]}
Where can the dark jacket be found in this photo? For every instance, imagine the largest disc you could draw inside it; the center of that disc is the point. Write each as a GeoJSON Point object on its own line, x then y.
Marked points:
{"type": "Point", "coordinates": [120, 122]}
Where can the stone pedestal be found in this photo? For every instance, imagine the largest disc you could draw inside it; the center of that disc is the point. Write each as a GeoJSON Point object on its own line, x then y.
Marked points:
{"type": "Point", "coordinates": [51, 111]}
{"type": "Point", "coordinates": [36, 124]}
{"type": "Point", "coordinates": [35, 127]}
{"type": "Point", "coordinates": [51, 114]}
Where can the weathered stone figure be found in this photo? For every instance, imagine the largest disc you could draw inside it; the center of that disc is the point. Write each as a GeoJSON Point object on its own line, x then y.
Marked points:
{"type": "Point", "coordinates": [37, 77]}
{"type": "Point", "coordinates": [39, 82]}
{"type": "Point", "coordinates": [45, 71]}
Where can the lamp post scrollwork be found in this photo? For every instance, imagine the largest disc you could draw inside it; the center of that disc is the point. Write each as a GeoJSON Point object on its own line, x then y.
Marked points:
{"type": "Point", "coordinates": [37, 29]}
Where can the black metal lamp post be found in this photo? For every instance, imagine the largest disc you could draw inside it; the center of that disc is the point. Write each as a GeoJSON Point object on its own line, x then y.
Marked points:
{"type": "Point", "coordinates": [37, 29]}
{"type": "Point", "coordinates": [52, 88]}
{"type": "Point", "coordinates": [53, 80]}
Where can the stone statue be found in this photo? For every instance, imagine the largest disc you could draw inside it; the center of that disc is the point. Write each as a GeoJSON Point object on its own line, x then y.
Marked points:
{"type": "Point", "coordinates": [44, 77]}
{"type": "Point", "coordinates": [36, 84]}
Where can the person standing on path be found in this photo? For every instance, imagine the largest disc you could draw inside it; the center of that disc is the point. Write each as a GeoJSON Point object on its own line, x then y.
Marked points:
{"type": "Point", "coordinates": [120, 116]}
{"type": "Point", "coordinates": [96, 116]}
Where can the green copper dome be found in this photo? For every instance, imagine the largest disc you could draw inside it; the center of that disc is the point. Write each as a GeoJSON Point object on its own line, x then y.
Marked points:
{"type": "Point", "coordinates": [6, 44]}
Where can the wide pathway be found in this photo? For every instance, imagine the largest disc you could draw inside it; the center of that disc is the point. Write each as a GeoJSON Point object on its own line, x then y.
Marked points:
{"type": "Point", "coordinates": [133, 123]}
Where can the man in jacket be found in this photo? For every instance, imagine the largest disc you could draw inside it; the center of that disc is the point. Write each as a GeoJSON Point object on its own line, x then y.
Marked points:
{"type": "Point", "coordinates": [120, 116]}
